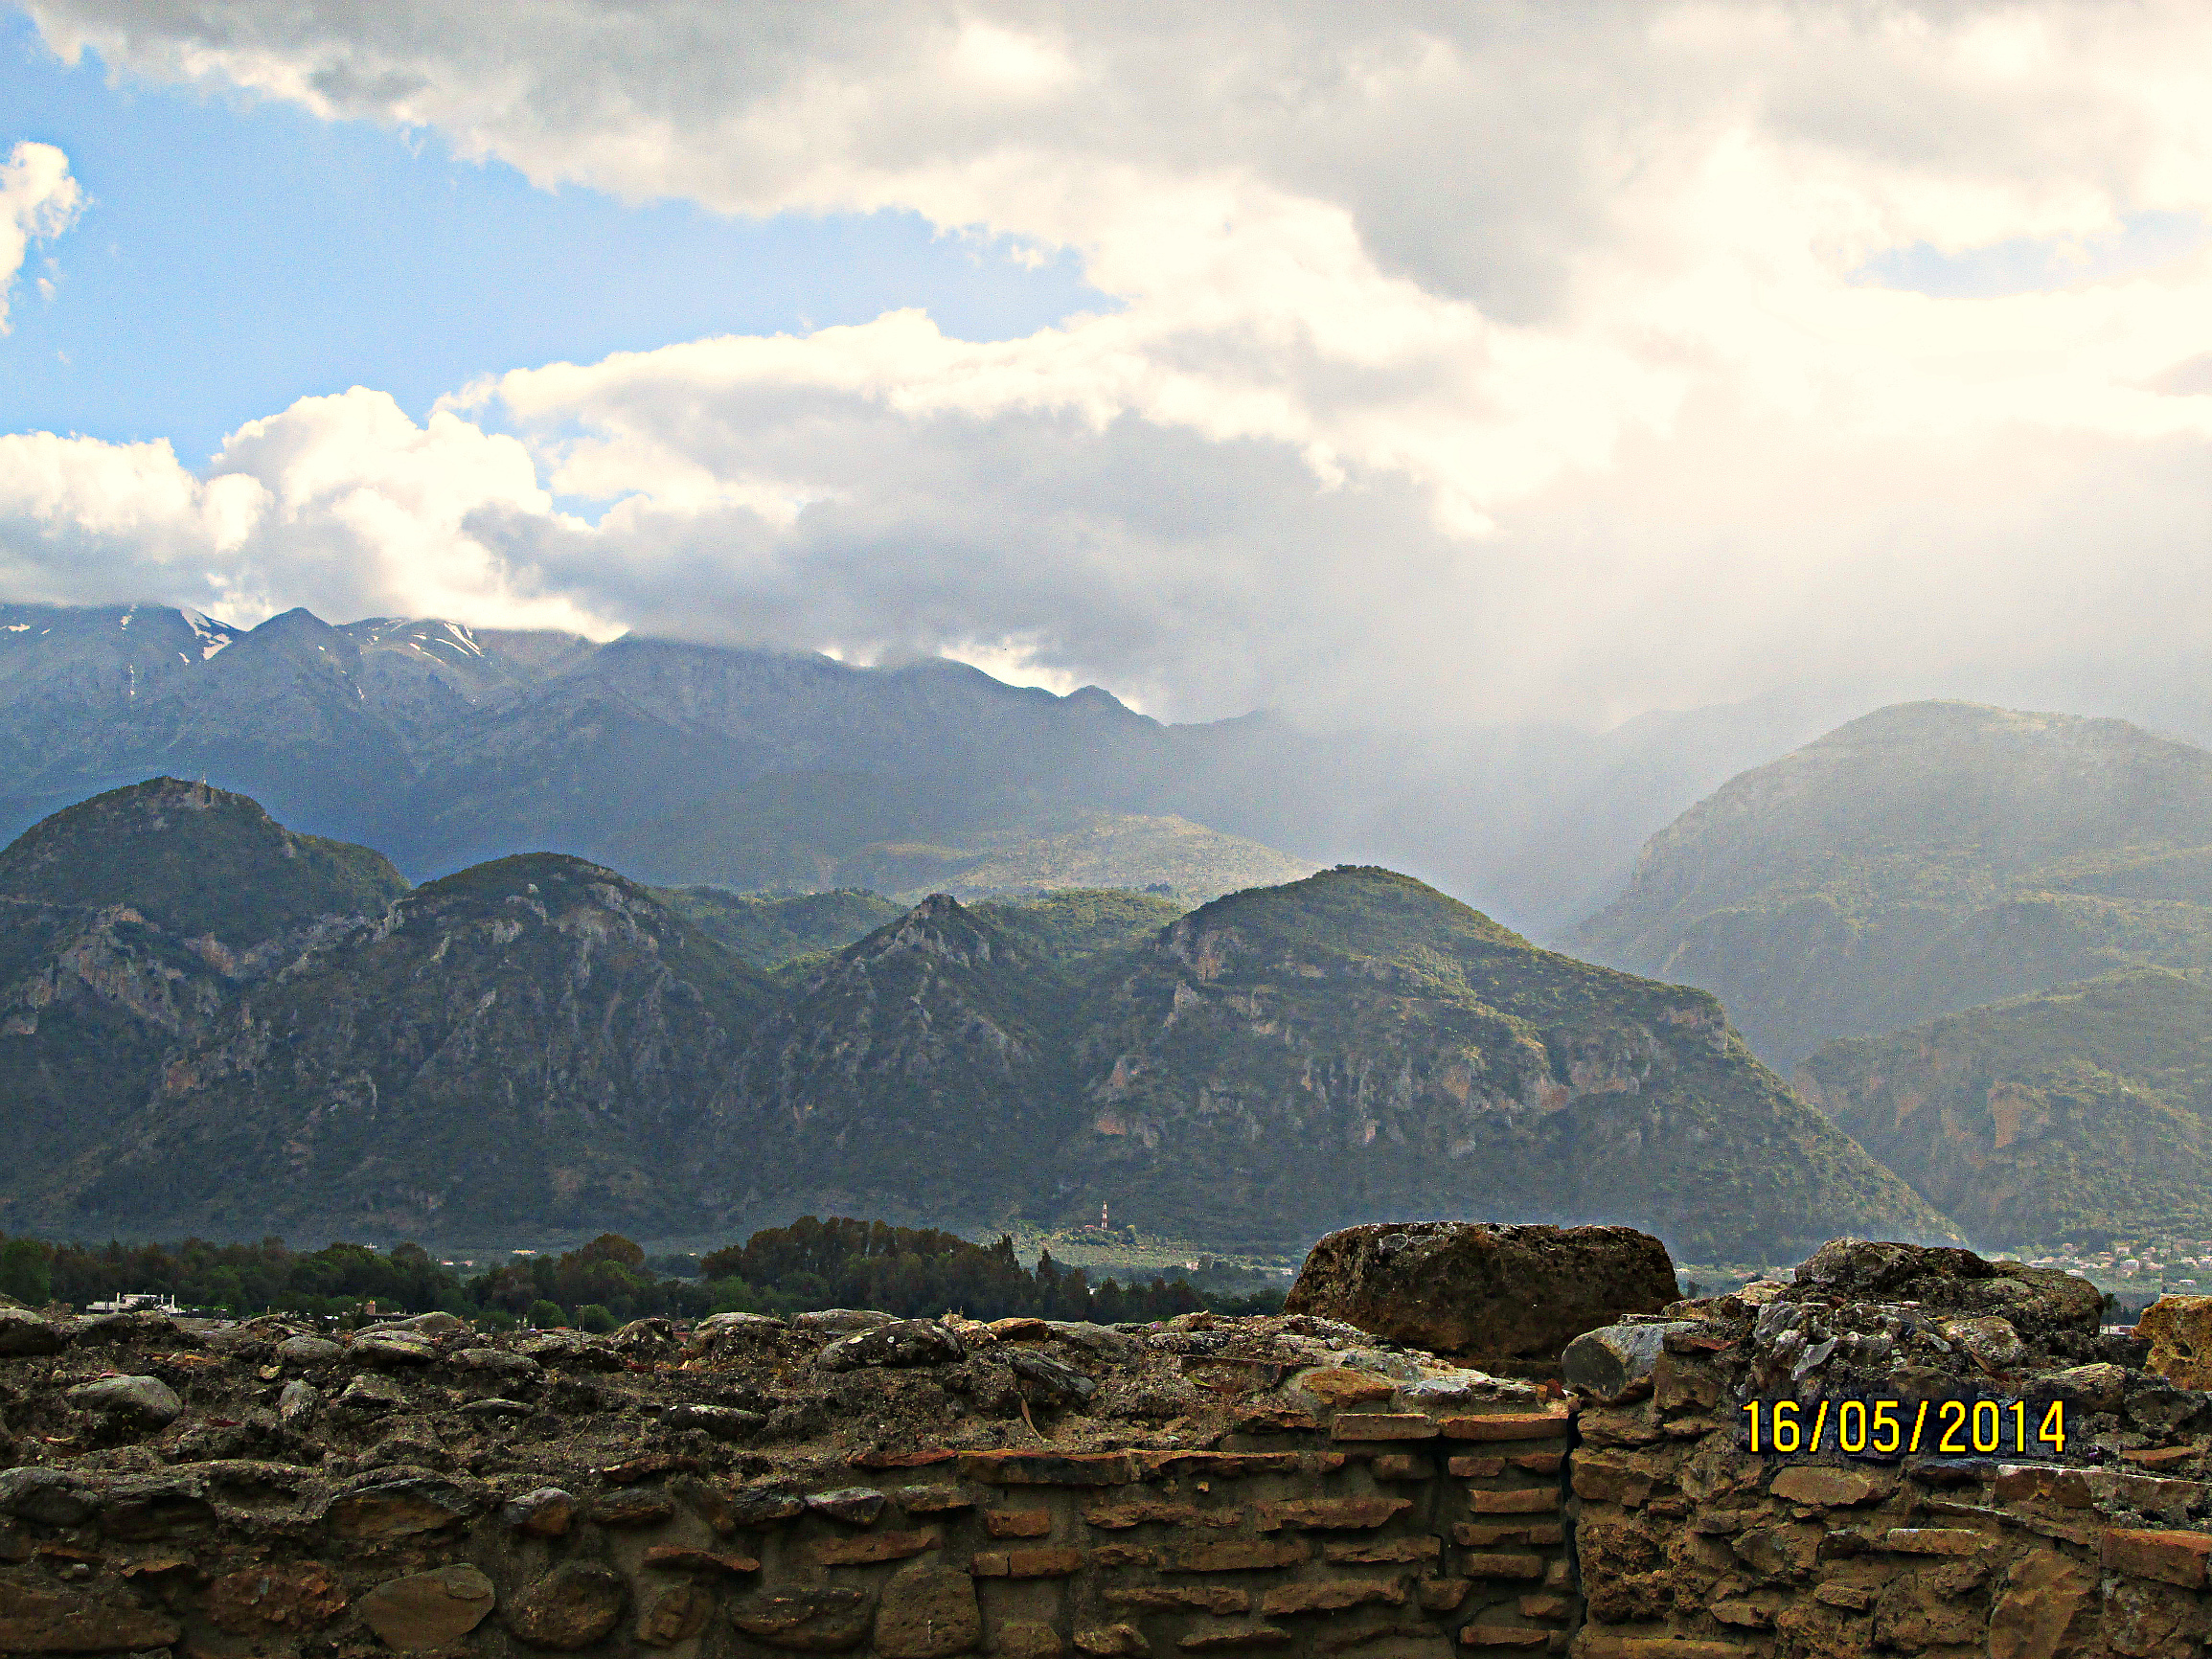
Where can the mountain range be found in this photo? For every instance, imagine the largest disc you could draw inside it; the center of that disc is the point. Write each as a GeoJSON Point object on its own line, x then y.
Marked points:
{"type": "Point", "coordinates": [684, 764]}
{"type": "Point", "coordinates": [540, 1043]}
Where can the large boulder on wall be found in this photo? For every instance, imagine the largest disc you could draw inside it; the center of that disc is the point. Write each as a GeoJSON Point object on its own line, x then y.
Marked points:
{"type": "Point", "coordinates": [1493, 1294]}
{"type": "Point", "coordinates": [2053, 1311]}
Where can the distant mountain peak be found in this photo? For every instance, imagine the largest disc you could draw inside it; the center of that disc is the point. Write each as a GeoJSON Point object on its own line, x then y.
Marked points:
{"type": "Point", "coordinates": [1921, 859]}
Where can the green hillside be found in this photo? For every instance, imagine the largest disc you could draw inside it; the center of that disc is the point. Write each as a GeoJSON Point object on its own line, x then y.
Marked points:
{"type": "Point", "coordinates": [194, 861]}
{"type": "Point", "coordinates": [2073, 1113]}
{"type": "Point", "coordinates": [1073, 923]}
{"type": "Point", "coordinates": [1926, 858]}
{"type": "Point", "coordinates": [769, 929]}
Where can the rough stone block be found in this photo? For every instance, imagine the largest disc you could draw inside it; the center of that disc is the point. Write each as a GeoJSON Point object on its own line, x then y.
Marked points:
{"type": "Point", "coordinates": [1545, 1606]}
{"type": "Point", "coordinates": [852, 1506]}
{"type": "Point", "coordinates": [2043, 1595]}
{"type": "Point", "coordinates": [1402, 1466]}
{"type": "Point", "coordinates": [1113, 1641]}
{"type": "Point", "coordinates": [806, 1621]}
{"type": "Point", "coordinates": [2043, 1482]}
{"type": "Point", "coordinates": [1519, 1501]}
{"type": "Point", "coordinates": [41, 1622]}
{"type": "Point", "coordinates": [1615, 1362]}
{"type": "Point", "coordinates": [636, 1509]}
{"type": "Point", "coordinates": [1936, 1540]}
{"type": "Point", "coordinates": [1476, 1564]}
{"type": "Point", "coordinates": [931, 1500]}
{"type": "Point", "coordinates": [868, 1546]}
{"type": "Point", "coordinates": [259, 1600]}
{"type": "Point", "coordinates": [1606, 1477]}
{"type": "Point", "coordinates": [1331, 1514]}
{"type": "Point", "coordinates": [1018, 1523]}
{"type": "Point", "coordinates": [1826, 1488]}
{"type": "Point", "coordinates": [1353, 1425]}
{"type": "Point", "coordinates": [682, 1559]}
{"type": "Point", "coordinates": [1493, 1292]}
{"type": "Point", "coordinates": [1330, 1595]}
{"type": "Point", "coordinates": [1238, 1555]}
{"type": "Point", "coordinates": [1541, 1463]}
{"type": "Point", "coordinates": [1024, 1638]}
{"type": "Point", "coordinates": [394, 1507]}
{"type": "Point", "coordinates": [928, 1612]}
{"type": "Point", "coordinates": [1476, 1468]}
{"type": "Point", "coordinates": [425, 1611]}
{"type": "Point", "coordinates": [1234, 1638]}
{"type": "Point", "coordinates": [673, 1613]}
{"type": "Point", "coordinates": [572, 1607]}
{"type": "Point", "coordinates": [1339, 1388]}
{"type": "Point", "coordinates": [2168, 1558]}
{"type": "Point", "coordinates": [1424, 1547]}
{"type": "Point", "coordinates": [1181, 1597]}
{"type": "Point", "coordinates": [1041, 1563]}
{"type": "Point", "coordinates": [2180, 1331]}
{"type": "Point", "coordinates": [1504, 1636]}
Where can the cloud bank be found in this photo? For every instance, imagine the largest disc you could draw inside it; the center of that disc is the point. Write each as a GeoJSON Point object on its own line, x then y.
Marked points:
{"type": "Point", "coordinates": [38, 199]}
{"type": "Point", "coordinates": [1499, 361]}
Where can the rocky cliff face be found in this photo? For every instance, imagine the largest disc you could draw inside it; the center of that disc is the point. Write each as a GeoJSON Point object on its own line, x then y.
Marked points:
{"type": "Point", "coordinates": [2076, 1112]}
{"type": "Point", "coordinates": [532, 1041]}
{"type": "Point", "coordinates": [127, 926]}
{"type": "Point", "coordinates": [922, 1072]}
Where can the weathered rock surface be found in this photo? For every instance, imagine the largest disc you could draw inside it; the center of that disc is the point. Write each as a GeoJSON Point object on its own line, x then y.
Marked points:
{"type": "Point", "coordinates": [2180, 1331]}
{"type": "Point", "coordinates": [901, 1342]}
{"type": "Point", "coordinates": [428, 1610]}
{"type": "Point", "coordinates": [572, 1607]}
{"type": "Point", "coordinates": [1494, 1293]}
{"type": "Point", "coordinates": [138, 1402]}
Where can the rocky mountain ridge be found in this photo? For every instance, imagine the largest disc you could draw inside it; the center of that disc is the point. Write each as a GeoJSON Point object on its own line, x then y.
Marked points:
{"type": "Point", "coordinates": [539, 1042]}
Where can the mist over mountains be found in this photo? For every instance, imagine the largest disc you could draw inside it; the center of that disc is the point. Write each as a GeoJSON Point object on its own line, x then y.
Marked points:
{"type": "Point", "coordinates": [672, 964]}
{"type": "Point", "coordinates": [443, 746]}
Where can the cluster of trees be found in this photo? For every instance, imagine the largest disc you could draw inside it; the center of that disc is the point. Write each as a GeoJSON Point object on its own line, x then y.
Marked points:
{"type": "Point", "coordinates": [812, 1263]}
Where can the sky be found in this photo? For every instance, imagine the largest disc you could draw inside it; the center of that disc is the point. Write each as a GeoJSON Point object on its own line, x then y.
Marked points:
{"type": "Point", "coordinates": [1401, 364]}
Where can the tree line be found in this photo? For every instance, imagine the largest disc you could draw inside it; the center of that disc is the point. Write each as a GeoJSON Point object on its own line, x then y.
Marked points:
{"type": "Point", "coordinates": [836, 1263]}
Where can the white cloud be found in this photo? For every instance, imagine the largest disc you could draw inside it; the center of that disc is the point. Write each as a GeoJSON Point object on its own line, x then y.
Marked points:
{"type": "Point", "coordinates": [340, 503]}
{"type": "Point", "coordinates": [38, 199]}
{"type": "Point", "coordinates": [1489, 361]}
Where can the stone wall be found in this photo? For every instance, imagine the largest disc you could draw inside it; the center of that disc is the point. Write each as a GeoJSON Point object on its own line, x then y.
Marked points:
{"type": "Point", "coordinates": [1691, 1548]}
{"type": "Point", "coordinates": [845, 1482]}
{"type": "Point", "coordinates": [1391, 1536]}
